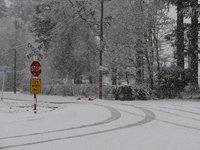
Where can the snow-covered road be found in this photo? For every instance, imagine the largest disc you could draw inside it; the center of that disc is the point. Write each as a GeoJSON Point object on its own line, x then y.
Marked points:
{"type": "Point", "coordinates": [66, 123]}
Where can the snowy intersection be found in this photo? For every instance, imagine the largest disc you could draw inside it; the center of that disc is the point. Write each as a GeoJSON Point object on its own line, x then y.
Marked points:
{"type": "Point", "coordinates": [66, 123]}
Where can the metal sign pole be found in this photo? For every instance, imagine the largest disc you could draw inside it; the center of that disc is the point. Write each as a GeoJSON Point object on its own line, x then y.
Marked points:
{"type": "Point", "coordinates": [36, 55]}
{"type": "Point", "coordinates": [35, 102]}
{"type": "Point", "coordinates": [3, 84]}
{"type": "Point", "coordinates": [35, 96]}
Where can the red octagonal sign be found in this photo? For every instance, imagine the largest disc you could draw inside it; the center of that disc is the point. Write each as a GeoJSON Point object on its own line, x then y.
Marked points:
{"type": "Point", "coordinates": [35, 68]}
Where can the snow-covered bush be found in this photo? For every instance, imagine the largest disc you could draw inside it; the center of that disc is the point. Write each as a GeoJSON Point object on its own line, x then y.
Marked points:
{"type": "Point", "coordinates": [123, 93]}
{"type": "Point", "coordinates": [132, 92]}
{"type": "Point", "coordinates": [172, 81]}
{"type": "Point", "coordinates": [143, 92]}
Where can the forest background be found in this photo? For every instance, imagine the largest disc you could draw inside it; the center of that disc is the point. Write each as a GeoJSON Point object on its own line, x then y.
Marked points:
{"type": "Point", "coordinates": [146, 52]}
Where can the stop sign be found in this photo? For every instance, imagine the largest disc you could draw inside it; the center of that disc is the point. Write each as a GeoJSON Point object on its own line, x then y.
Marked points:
{"type": "Point", "coordinates": [35, 68]}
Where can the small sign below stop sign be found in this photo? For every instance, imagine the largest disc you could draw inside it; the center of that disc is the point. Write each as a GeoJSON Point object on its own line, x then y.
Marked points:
{"type": "Point", "coordinates": [35, 68]}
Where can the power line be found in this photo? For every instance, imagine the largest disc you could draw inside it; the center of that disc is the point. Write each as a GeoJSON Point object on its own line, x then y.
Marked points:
{"type": "Point", "coordinates": [21, 45]}
{"type": "Point", "coordinates": [76, 11]}
{"type": "Point", "coordinates": [60, 23]}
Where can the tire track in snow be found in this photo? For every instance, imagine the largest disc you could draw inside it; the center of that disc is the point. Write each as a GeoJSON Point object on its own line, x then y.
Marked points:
{"type": "Point", "coordinates": [190, 112]}
{"type": "Point", "coordinates": [177, 124]}
{"type": "Point", "coordinates": [175, 114]}
{"type": "Point", "coordinates": [178, 106]}
{"type": "Point", "coordinates": [115, 115]}
{"type": "Point", "coordinates": [149, 116]}
{"type": "Point", "coordinates": [181, 110]}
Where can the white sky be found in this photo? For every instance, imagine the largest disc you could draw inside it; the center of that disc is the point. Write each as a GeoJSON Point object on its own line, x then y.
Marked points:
{"type": "Point", "coordinates": [172, 13]}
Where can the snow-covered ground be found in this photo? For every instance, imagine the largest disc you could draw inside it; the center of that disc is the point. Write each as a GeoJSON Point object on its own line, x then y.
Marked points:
{"type": "Point", "coordinates": [64, 123]}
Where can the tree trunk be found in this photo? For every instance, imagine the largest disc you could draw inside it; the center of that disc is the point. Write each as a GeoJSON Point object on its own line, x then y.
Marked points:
{"type": "Point", "coordinates": [114, 76]}
{"type": "Point", "coordinates": [180, 35]}
{"type": "Point", "coordinates": [127, 80]}
{"type": "Point", "coordinates": [149, 67]}
{"type": "Point", "coordinates": [156, 44]}
{"type": "Point", "coordinates": [138, 68]}
{"type": "Point", "coordinates": [158, 62]}
{"type": "Point", "coordinates": [194, 46]}
{"type": "Point", "coordinates": [88, 58]}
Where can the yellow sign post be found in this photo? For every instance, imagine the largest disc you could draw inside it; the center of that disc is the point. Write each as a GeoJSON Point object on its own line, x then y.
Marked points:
{"type": "Point", "coordinates": [35, 86]}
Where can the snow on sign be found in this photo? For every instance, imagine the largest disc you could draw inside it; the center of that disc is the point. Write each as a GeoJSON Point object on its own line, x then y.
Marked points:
{"type": "Point", "coordinates": [35, 50]}
{"type": "Point", "coordinates": [35, 68]}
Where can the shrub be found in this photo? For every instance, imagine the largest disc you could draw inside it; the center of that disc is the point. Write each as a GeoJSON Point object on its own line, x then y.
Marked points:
{"type": "Point", "coordinates": [143, 92]}
{"type": "Point", "coordinates": [173, 80]}
{"type": "Point", "coordinates": [132, 92]}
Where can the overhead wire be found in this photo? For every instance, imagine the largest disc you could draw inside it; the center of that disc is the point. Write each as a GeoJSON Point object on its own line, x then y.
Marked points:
{"type": "Point", "coordinates": [19, 46]}
{"type": "Point", "coordinates": [61, 23]}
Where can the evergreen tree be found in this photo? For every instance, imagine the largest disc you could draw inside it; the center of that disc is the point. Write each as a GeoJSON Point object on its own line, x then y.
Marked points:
{"type": "Point", "coordinates": [183, 7]}
{"type": "Point", "coordinates": [180, 4]}
{"type": "Point", "coordinates": [180, 35]}
{"type": "Point", "coordinates": [194, 45]}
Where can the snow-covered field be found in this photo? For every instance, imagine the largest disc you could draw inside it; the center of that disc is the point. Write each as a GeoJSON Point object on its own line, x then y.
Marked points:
{"type": "Point", "coordinates": [64, 123]}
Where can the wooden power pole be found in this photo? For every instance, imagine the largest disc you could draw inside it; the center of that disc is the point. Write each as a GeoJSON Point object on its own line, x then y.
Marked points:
{"type": "Point", "coordinates": [101, 52]}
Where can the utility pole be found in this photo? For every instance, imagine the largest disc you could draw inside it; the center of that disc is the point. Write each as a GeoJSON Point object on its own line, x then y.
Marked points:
{"type": "Point", "coordinates": [101, 51]}
{"type": "Point", "coordinates": [16, 23]}
{"type": "Point", "coordinates": [15, 62]}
